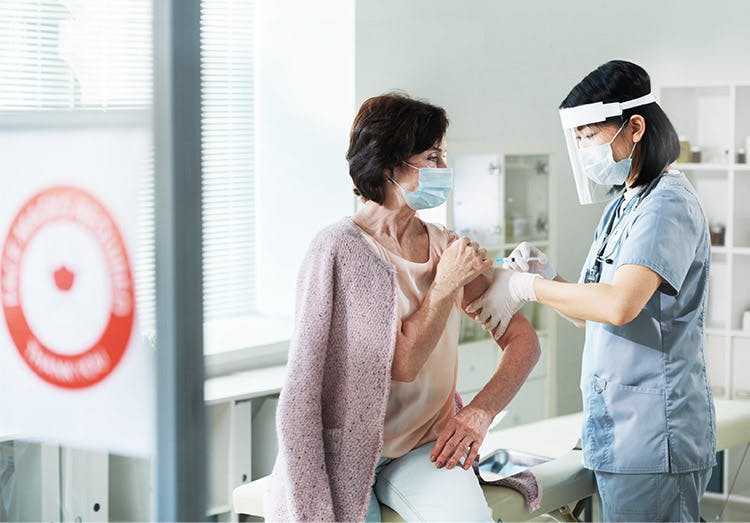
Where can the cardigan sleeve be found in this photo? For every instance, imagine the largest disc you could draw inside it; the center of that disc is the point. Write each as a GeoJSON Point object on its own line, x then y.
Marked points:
{"type": "Point", "coordinates": [299, 415]}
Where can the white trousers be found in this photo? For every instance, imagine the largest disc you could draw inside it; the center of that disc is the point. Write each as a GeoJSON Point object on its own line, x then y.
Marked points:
{"type": "Point", "coordinates": [413, 487]}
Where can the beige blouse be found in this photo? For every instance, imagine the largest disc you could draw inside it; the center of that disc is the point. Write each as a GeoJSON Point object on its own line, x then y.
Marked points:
{"type": "Point", "coordinates": [417, 411]}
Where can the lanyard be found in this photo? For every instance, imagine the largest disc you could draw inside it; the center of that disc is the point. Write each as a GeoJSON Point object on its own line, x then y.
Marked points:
{"type": "Point", "coordinates": [593, 274]}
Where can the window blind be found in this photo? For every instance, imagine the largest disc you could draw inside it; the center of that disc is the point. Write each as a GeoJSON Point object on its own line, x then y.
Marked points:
{"type": "Point", "coordinates": [96, 55]}
{"type": "Point", "coordinates": [75, 54]}
{"type": "Point", "coordinates": [227, 91]}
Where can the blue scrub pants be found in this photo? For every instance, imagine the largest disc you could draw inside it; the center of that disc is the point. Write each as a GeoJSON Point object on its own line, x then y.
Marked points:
{"type": "Point", "coordinates": [651, 497]}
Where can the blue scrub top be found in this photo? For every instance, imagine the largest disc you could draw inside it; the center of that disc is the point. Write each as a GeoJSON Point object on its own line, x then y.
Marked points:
{"type": "Point", "coordinates": [647, 402]}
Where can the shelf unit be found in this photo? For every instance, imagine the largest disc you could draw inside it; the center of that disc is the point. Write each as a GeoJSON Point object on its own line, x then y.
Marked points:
{"type": "Point", "coordinates": [242, 444]}
{"type": "Point", "coordinates": [717, 119]}
{"type": "Point", "coordinates": [500, 200]}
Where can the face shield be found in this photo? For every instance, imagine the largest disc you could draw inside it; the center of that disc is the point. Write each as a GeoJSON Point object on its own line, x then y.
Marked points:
{"type": "Point", "coordinates": [589, 147]}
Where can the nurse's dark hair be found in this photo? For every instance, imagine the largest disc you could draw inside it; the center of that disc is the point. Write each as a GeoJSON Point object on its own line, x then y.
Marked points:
{"type": "Point", "coordinates": [387, 130]}
{"type": "Point", "coordinates": [620, 81]}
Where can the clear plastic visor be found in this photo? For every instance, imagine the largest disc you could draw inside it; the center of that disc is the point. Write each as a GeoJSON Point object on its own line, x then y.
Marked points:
{"type": "Point", "coordinates": [583, 129]}
{"type": "Point", "coordinates": [576, 141]}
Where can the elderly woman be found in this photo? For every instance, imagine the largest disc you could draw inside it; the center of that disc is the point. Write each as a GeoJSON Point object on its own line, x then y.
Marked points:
{"type": "Point", "coordinates": [368, 414]}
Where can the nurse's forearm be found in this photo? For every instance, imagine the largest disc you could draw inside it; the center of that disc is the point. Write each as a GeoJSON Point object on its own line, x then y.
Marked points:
{"type": "Point", "coordinates": [520, 353]}
{"type": "Point", "coordinates": [578, 322]}
{"type": "Point", "coordinates": [616, 304]}
{"type": "Point", "coordinates": [598, 302]}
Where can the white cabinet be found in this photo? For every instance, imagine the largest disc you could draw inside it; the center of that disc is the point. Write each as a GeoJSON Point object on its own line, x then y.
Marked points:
{"type": "Point", "coordinates": [477, 361]}
{"type": "Point", "coordinates": [44, 482]}
{"type": "Point", "coordinates": [714, 121]}
{"type": "Point", "coordinates": [240, 421]}
{"type": "Point", "coordinates": [229, 451]}
{"type": "Point", "coordinates": [500, 200]}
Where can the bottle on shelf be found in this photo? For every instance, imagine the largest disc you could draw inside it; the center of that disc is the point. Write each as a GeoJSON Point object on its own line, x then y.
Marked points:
{"type": "Point", "coordinates": [695, 154]}
{"type": "Point", "coordinates": [684, 156]}
{"type": "Point", "coordinates": [718, 231]}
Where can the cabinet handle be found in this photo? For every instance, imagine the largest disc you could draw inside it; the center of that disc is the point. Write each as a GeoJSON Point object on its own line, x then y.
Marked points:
{"type": "Point", "coordinates": [742, 394]}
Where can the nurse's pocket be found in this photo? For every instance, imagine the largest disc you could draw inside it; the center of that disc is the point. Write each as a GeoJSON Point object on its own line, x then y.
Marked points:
{"type": "Point", "coordinates": [627, 495]}
{"type": "Point", "coordinates": [640, 435]}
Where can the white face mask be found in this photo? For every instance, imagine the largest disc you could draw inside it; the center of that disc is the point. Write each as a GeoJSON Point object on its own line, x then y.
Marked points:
{"type": "Point", "coordinates": [600, 166]}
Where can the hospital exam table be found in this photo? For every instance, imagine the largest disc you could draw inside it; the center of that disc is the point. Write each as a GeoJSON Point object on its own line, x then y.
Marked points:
{"type": "Point", "coordinates": [564, 481]}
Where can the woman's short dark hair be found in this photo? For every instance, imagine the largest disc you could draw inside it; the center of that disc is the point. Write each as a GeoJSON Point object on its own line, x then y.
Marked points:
{"type": "Point", "coordinates": [620, 81]}
{"type": "Point", "coordinates": [387, 130]}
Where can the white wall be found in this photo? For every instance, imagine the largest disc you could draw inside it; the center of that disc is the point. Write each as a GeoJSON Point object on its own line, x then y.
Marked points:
{"type": "Point", "coordinates": [501, 69]}
{"type": "Point", "coordinates": [305, 104]}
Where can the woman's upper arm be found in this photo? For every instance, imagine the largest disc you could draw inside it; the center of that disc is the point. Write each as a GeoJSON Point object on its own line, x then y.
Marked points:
{"type": "Point", "coordinates": [475, 288]}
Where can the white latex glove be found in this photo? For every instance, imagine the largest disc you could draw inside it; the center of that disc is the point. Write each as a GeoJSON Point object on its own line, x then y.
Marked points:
{"type": "Point", "coordinates": [507, 293]}
{"type": "Point", "coordinates": [522, 253]}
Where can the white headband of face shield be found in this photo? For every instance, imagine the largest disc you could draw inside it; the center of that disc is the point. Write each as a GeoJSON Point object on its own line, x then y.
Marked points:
{"type": "Point", "coordinates": [599, 111]}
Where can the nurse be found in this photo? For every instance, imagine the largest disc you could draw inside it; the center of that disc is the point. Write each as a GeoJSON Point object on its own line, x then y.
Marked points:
{"type": "Point", "coordinates": [649, 423]}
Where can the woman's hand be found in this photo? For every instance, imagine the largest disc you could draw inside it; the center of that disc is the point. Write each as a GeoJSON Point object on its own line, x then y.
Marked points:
{"type": "Point", "coordinates": [464, 433]}
{"type": "Point", "coordinates": [460, 263]}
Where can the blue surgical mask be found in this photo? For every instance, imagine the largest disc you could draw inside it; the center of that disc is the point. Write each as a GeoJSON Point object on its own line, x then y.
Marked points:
{"type": "Point", "coordinates": [600, 166]}
{"type": "Point", "coordinates": [435, 184]}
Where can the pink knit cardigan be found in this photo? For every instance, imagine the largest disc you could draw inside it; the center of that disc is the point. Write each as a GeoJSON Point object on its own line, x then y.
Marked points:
{"type": "Point", "coordinates": [332, 408]}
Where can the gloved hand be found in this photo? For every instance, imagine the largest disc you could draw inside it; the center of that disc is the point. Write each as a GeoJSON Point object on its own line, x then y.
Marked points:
{"type": "Point", "coordinates": [507, 293]}
{"type": "Point", "coordinates": [522, 253]}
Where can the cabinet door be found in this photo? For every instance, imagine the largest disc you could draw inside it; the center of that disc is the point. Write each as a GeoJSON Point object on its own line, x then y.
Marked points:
{"type": "Point", "coordinates": [85, 485]}
{"type": "Point", "coordinates": [477, 362]}
{"type": "Point", "coordinates": [241, 444]}
{"type": "Point", "coordinates": [477, 209]}
{"type": "Point", "coordinates": [526, 180]}
{"type": "Point", "coordinates": [527, 406]}
{"type": "Point", "coordinates": [219, 422]}
{"type": "Point", "coordinates": [265, 441]}
{"type": "Point", "coordinates": [540, 369]}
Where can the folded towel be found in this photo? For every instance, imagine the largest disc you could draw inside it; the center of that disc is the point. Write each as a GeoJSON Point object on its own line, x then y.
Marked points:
{"type": "Point", "coordinates": [524, 482]}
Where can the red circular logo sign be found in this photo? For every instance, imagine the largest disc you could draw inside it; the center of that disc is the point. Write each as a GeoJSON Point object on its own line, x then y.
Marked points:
{"type": "Point", "coordinates": [73, 207]}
